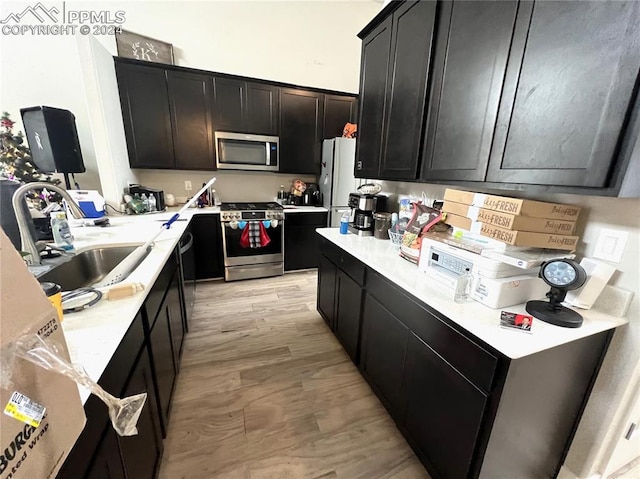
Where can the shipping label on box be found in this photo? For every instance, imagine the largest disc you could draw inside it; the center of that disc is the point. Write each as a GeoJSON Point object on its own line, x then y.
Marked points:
{"type": "Point", "coordinates": [42, 411]}
{"type": "Point", "coordinates": [514, 206]}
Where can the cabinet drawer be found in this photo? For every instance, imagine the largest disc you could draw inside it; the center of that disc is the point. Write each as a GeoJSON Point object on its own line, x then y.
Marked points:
{"type": "Point", "coordinates": [159, 288]}
{"type": "Point", "coordinates": [318, 219]}
{"type": "Point", "coordinates": [344, 261]}
{"type": "Point", "coordinates": [461, 352]}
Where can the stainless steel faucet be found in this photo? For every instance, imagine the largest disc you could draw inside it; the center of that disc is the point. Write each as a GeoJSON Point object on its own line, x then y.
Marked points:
{"type": "Point", "coordinates": [28, 242]}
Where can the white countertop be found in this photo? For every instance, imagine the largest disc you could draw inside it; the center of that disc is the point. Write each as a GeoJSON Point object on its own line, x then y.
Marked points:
{"type": "Point", "coordinates": [93, 335]}
{"type": "Point", "coordinates": [476, 318]}
{"type": "Point", "coordinates": [304, 209]}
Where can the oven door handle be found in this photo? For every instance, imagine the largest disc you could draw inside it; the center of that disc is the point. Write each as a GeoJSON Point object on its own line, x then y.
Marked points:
{"type": "Point", "coordinates": [266, 154]}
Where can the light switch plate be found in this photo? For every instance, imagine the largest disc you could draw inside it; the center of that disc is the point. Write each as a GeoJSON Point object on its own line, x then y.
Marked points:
{"type": "Point", "coordinates": [610, 245]}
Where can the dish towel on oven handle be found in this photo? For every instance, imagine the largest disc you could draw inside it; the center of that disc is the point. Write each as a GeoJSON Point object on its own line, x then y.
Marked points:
{"type": "Point", "coordinates": [254, 235]}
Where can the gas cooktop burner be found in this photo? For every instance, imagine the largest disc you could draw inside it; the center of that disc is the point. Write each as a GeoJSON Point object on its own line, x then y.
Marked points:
{"type": "Point", "coordinates": [250, 206]}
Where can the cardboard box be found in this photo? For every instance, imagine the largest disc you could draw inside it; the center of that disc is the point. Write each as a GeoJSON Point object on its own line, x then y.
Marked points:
{"type": "Point", "coordinates": [513, 237]}
{"type": "Point", "coordinates": [514, 206]}
{"type": "Point", "coordinates": [509, 221]}
{"type": "Point", "coordinates": [30, 450]}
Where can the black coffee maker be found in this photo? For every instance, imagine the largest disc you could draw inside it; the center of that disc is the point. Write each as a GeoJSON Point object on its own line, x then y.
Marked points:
{"type": "Point", "coordinates": [362, 209]}
{"type": "Point", "coordinates": [312, 195]}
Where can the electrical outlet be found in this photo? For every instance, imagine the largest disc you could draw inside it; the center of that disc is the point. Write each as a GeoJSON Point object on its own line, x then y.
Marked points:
{"type": "Point", "coordinates": [187, 186]}
{"type": "Point", "coordinates": [610, 245]}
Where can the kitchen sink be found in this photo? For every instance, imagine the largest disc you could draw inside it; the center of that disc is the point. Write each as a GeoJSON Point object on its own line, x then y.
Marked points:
{"type": "Point", "coordinates": [86, 268]}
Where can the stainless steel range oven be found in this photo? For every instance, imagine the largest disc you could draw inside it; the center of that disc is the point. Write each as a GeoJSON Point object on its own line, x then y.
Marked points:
{"type": "Point", "coordinates": [252, 239]}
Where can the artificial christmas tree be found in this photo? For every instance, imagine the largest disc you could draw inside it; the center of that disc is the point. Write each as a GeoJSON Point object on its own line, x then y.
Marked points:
{"type": "Point", "coordinates": [15, 160]}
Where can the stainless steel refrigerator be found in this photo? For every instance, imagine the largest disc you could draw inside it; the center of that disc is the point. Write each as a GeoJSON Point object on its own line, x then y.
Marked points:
{"type": "Point", "coordinates": [336, 176]}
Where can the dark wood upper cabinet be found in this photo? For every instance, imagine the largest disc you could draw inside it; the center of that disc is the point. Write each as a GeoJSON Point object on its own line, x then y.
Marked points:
{"type": "Point", "coordinates": [263, 105]}
{"type": "Point", "coordinates": [373, 90]}
{"type": "Point", "coordinates": [470, 59]}
{"type": "Point", "coordinates": [229, 104]}
{"type": "Point", "coordinates": [571, 82]}
{"type": "Point", "coordinates": [190, 101]}
{"type": "Point", "coordinates": [301, 121]}
{"type": "Point", "coordinates": [245, 107]}
{"type": "Point", "coordinates": [396, 58]}
{"type": "Point", "coordinates": [411, 44]}
{"type": "Point", "coordinates": [146, 116]}
{"type": "Point", "coordinates": [338, 110]}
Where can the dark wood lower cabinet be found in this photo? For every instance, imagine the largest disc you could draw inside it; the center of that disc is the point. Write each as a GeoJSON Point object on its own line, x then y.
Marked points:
{"type": "Point", "coordinates": [175, 319]}
{"type": "Point", "coordinates": [161, 354]}
{"type": "Point", "coordinates": [207, 246]}
{"type": "Point", "coordinates": [444, 410]}
{"type": "Point", "coordinates": [141, 453]}
{"type": "Point", "coordinates": [188, 270]}
{"type": "Point", "coordinates": [301, 241]}
{"type": "Point", "coordinates": [327, 276]}
{"type": "Point", "coordinates": [146, 360]}
{"type": "Point", "coordinates": [466, 409]}
{"type": "Point", "coordinates": [107, 463]}
{"type": "Point", "coordinates": [384, 347]}
{"type": "Point", "coordinates": [347, 318]}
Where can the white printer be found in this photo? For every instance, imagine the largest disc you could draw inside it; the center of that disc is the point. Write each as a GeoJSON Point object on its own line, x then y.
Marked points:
{"type": "Point", "coordinates": [495, 284]}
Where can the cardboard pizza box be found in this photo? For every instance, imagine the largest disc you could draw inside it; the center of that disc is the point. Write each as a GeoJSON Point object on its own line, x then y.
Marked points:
{"type": "Point", "coordinates": [513, 237]}
{"type": "Point", "coordinates": [514, 206]}
{"type": "Point", "coordinates": [509, 221]}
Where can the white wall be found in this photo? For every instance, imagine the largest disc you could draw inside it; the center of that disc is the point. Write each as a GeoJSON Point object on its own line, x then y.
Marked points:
{"type": "Point", "coordinates": [304, 43]}
{"type": "Point", "coordinates": [309, 43]}
{"type": "Point", "coordinates": [45, 70]}
{"type": "Point", "coordinates": [105, 119]}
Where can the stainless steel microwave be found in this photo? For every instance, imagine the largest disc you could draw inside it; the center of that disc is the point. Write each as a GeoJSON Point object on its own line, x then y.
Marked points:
{"type": "Point", "coordinates": [240, 151]}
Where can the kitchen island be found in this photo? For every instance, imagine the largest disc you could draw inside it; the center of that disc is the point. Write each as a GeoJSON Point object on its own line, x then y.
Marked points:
{"type": "Point", "coordinates": [472, 399]}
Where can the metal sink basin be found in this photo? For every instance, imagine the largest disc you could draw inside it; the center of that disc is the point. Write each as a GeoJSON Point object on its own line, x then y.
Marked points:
{"type": "Point", "coordinates": [86, 268]}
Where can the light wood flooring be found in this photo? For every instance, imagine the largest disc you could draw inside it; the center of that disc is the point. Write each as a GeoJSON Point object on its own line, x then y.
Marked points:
{"type": "Point", "coordinates": [266, 391]}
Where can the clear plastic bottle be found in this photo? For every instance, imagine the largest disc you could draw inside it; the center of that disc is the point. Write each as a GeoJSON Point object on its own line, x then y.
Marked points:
{"type": "Point", "coordinates": [216, 198]}
{"type": "Point", "coordinates": [344, 223]}
{"type": "Point", "coordinates": [152, 203]}
{"type": "Point", "coordinates": [61, 231]}
{"type": "Point", "coordinates": [145, 201]}
{"type": "Point", "coordinates": [463, 287]}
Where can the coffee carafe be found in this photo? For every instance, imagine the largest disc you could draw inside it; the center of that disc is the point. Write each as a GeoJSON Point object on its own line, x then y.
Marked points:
{"type": "Point", "coordinates": [362, 209]}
